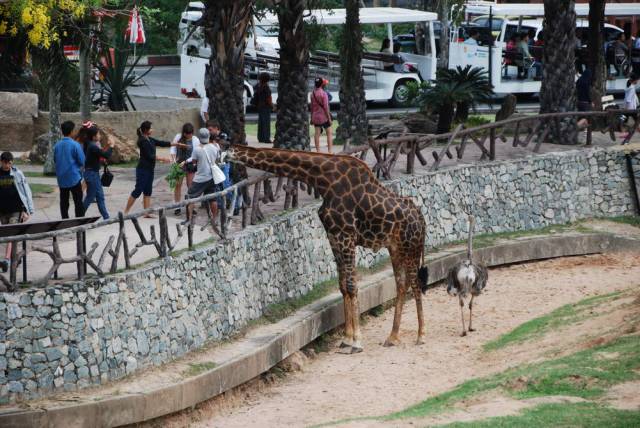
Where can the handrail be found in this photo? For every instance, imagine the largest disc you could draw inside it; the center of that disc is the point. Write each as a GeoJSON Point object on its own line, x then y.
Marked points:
{"type": "Point", "coordinates": [386, 151]}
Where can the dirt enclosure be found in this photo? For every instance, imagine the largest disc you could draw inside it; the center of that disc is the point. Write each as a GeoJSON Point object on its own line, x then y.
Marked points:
{"type": "Point", "coordinates": [325, 387]}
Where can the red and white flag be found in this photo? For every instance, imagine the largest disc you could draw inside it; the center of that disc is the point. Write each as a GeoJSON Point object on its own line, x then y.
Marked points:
{"type": "Point", "coordinates": [135, 29]}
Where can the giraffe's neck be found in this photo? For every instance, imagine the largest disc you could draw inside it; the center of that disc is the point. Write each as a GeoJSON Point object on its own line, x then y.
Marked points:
{"type": "Point", "coordinates": [308, 167]}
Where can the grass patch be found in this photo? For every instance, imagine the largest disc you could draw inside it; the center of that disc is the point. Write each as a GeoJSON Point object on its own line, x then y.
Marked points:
{"type": "Point", "coordinates": [563, 415]}
{"type": "Point", "coordinates": [584, 374]}
{"type": "Point", "coordinates": [198, 368]}
{"type": "Point", "coordinates": [564, 315]}
{"type": "Point", "coordinates": [37, 188]}
{"type": "Point", "coordinates": [34, 174]}
{"type": "Point", "coordinates": [278, 311]}
{"type": "Point", "coordinates": [627, 219]}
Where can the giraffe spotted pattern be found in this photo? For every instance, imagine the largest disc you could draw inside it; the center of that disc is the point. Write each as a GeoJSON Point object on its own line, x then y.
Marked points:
{"type": "Point", "coordinates": [356, 210]}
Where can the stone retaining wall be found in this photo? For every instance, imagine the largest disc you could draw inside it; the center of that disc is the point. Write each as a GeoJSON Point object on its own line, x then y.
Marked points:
{"type": "Point", "coordinates": [84, 333]}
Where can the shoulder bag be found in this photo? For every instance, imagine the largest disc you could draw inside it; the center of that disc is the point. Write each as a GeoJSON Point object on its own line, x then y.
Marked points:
{"type": "Point", "coordinates": [216, 172]}
{"type": "Point", "coordinates": [107, 176]}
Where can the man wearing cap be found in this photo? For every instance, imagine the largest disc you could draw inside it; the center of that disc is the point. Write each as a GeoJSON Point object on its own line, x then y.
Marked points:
{"type": "Point", "coordinates": [204, 155]}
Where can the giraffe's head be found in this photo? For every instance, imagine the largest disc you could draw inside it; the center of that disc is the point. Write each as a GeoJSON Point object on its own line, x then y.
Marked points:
{"type": "Point", "coordinates": [230, 154]}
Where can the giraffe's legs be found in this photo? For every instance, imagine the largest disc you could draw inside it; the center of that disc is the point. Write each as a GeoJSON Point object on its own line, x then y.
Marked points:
{"type": "Point", "coordinates": [399, 271]}
{"type": "Point", "coordinates": [464, 331]}
{"type": "Point", "coordinates": [412, 283]}
{"type": "Point", "coordinates": [471, 313]}
{"type": "Point", "coordinates": [344, 251]}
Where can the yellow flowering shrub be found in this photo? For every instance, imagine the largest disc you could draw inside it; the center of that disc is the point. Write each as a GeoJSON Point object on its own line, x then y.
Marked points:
{"type": "Point", "coordinates": [44, 22]}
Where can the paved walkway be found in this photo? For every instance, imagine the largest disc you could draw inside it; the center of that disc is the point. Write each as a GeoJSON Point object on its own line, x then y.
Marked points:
{"type": "Point", "coordinates": [47, 207]}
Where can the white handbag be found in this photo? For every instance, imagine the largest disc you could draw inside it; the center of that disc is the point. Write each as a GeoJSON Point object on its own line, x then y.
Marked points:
{"type": "Point", "coordinates": [216, 172]}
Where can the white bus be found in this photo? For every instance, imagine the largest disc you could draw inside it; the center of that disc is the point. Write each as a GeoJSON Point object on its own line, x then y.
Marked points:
{"type": "Point", "coordinates": [506, 19]}
{"type": "Point", "coordinates": [380, 84]}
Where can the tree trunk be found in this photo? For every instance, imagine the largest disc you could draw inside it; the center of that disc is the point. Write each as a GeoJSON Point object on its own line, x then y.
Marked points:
{"type": "Point", "coordinates": [54, 127]}
{"type": "Point", "coordinates": [558, 91]}
{"type": "Point", "coordinates": [352, 116]}
{"type": "Point", "coordinates": [595, 46]}
{"type": "Point", "coordinates": [292, 120]}
{"type": "Point", "coordinates": [443, 16]}
{"type": "Point", "coordinates": [84, 67]}
{"type": "Point", "coordinates": [445, 118]}
{"type": "Point", "coordinates": [226, 23]}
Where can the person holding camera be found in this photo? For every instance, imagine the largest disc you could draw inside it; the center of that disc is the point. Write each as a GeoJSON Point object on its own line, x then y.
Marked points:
{"type": "Point", "coordinates": [181, 153]}
{"type": "Point", "coordinates": [146, 166]}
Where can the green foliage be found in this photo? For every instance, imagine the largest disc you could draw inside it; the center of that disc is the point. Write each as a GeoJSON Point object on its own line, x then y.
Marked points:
{"type": "Point", "coordinates": [632, 220]}
{"type": "Point", "coordinates": [37, 188]}
{"type": "Point", "coordinates": [473, 121]}
{"type": "Point", "coordinates": [161, 19]}
{"type": "Point", "coordinates": [68, 80]}
{"type": "Point", "coordinates": [564, 315]}
{"type": "Point", "coordinates": [175, 173]}
{"type": "Point", "coordinates": [561, 415]}
{"type": "Point", "coordinates": [277, 311]}
{"type": "Point", "coordinates": [118, 77]}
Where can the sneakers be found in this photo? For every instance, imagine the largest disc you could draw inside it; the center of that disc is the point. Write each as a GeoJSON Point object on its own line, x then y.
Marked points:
{"type": "Point", "coordinates": [177, 211]}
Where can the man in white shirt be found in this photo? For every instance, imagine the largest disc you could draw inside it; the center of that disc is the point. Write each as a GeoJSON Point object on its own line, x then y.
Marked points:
{"type": "Point", "coordinates": [473, 37]}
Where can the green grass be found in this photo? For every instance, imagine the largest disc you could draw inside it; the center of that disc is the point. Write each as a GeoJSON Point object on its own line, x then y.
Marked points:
{"type": "Point", "coordinates": [585, 374]}
{"type": "Point", "coordinates": [628, 219]}
{"type": "Point", "coordinates": [564, 315]}
{"type": "Point", "coordinates": [197, 368]}
{"type": "Point", "coordinates": [278, 311]}
{"type": "Point", "coordinates": [37, 188]}
{"type": "Point", "coordinates": [561, 415]}
{"type": "Point", "coordinates": [33, 174]}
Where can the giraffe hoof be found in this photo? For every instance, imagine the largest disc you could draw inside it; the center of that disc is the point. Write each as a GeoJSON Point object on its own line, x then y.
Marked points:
{"type": "Point", "coordinates": [356, 349]}
{"type": "Point", "coordinates": [472, 329]}
{"type": "Point", "coordinates": [420, 341]}
{"type": "Point", "coordinates": [344, 345]}
{"type": "Point", "coordinates": [463, 334]}
{"type": "Point", "coordinates": [391, 342]}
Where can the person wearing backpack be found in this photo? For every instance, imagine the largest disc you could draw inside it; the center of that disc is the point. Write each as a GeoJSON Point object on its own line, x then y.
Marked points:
{"type": "Point", "coordinates": [263, 103]}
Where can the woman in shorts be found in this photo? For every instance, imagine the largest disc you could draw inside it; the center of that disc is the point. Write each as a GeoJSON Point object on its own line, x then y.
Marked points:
{"type": "Point", "coordinates": [320, 115]}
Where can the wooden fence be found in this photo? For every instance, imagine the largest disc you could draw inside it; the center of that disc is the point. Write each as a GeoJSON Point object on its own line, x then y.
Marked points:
{"type": "Point", "coordinates": [251, 193]}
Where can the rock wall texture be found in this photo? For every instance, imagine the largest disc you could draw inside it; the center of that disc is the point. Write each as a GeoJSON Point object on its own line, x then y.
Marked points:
{"type": "Point", "coordinates": [67, 337]}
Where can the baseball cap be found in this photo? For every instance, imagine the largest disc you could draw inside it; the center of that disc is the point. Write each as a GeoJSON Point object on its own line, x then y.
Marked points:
{"type": "Point", "coordinates": [203, 134]}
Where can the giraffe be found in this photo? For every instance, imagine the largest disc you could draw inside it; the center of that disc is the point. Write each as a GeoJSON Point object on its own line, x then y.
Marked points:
{"type": "Point", "coordinates": [356, 210]}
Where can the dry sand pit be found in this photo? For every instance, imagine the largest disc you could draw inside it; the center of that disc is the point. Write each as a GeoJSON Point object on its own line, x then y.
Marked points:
{"type": "Point", "coordinates": [333, 387]}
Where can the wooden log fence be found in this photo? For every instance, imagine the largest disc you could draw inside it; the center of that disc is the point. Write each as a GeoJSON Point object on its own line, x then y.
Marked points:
{"type": "Point", "coordinates": [245, 198]}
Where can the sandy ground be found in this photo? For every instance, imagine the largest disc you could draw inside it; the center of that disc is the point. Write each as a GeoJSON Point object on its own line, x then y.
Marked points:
{"type": "Point", "coordinates": [331, 387]}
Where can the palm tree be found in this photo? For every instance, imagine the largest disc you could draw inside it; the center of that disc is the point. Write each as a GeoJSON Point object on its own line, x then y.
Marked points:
{"type": "Point", "coordinates": [292, 120]}
{"type": "Point", "coordinates": [475, 81]}
{"type": "Point", "coordinates": [558, 91]}
{"type": "Point", "coordinates": [352, 116]}
{"type": "Point", "coordinates": [454, 93]}
{"type": "Point", "coordinates": [226, 23]}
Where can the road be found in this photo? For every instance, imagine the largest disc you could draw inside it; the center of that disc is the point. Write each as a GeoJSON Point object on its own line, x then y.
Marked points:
{"type": "Point", "coordinates": [161, 92]}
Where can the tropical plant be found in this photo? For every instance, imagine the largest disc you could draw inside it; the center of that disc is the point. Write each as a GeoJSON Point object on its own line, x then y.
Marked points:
{"type": "Point", "coordinates": [452, 95]}
{"type": "Point", "coordinates": [117, 76]}
{"type": "Point", "coordinates": [474, 80]}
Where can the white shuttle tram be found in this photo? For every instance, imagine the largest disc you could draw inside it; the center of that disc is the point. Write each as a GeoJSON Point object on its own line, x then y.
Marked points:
{"type": "Point", "coordinates": [511, 18]}
{"type": "Point", "coordinates": [380, 84]}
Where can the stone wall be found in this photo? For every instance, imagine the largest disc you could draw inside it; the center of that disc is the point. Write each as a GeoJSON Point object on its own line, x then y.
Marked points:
{"type": "Point", "coordinates": [17, 113]}
{"type": "Point", "coordinates": [166, 124]}
{"type": "Point", "coordinates": [71, 336]}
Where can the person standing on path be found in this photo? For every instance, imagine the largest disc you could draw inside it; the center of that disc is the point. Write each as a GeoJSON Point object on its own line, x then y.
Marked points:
{"type": "Point", "coordinates": [320, 115]}
{"type": "Point", "coordinates": [205, 155]}
{"type": "Point", "coordinates": [146, 166]}
{"type": "Point", "coordinates": [264, 104]}
{"type": "Point", "coordinates": [93, 152]}
{"type": "Point", "coordinates": [15, 194]}
{"type": "Point", "coordinates": [182, 149]}
{"type": "Point", "coordinates": [69, 159]}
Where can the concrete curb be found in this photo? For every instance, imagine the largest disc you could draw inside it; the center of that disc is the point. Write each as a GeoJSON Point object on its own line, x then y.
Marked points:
{"type": "Point", "coordinates": [258, 354]}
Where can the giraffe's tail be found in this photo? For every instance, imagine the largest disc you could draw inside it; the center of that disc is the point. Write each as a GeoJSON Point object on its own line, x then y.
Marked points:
{"type": "Point", "coordinates": [423, 274]}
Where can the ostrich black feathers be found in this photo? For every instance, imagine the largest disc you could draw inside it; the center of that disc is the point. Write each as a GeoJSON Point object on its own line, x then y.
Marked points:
{"type": "Point", "coordinates": [423, 278]}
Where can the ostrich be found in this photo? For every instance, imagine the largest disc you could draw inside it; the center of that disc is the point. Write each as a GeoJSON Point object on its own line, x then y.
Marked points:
{"type": "Point", "coordinates": [467, 276]}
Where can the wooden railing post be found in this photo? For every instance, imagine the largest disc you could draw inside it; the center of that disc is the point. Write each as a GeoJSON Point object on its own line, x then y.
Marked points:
{"type": "Point", "coordinates": [162, 224]}
{"type": "Point", "coordinates": [492, 143]}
